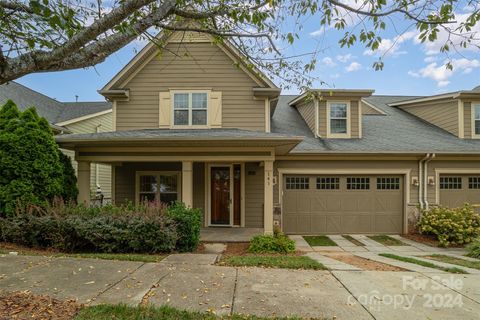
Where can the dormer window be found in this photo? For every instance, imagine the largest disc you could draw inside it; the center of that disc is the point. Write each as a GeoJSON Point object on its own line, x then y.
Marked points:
{"type": "Point", "coordinates": [476, 119]}
{"type": "Point", "coordinates": [338, 121]}
{"type": "Point", "coordinates": [190, 109]}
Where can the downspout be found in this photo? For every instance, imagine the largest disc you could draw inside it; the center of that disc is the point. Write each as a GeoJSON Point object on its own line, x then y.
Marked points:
{"type": "Point", "coordinates": [421, 180]}
{"type": "Point", "coordinates": [425, 174]}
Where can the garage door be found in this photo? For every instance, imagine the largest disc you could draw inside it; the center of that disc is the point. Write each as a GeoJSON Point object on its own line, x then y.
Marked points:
{"type": "Point", "coordinates": [456, 190]}
{"type": "Point", "coordinates": [342, 204]}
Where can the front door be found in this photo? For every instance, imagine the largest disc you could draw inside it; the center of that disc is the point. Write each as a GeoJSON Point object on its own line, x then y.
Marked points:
{"type": "Point", "coordinates": [220, 184]}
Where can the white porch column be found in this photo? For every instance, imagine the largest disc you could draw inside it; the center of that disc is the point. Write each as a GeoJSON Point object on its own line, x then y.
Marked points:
{"type": "Point", "coordinates": [83, 183]}
{"type": "Point", "coordinates": [268, 202]}
{"type": "Point", "coordinates": [187, 183]}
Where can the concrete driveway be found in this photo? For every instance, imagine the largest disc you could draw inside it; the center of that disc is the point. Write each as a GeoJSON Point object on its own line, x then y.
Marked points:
{"type": "Point", "coordinates": [192, 282]}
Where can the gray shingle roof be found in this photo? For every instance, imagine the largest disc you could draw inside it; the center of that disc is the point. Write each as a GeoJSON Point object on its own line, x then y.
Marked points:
{"type": "Point", "coordinates": [180, 134]}
{"type": "Point", "coordinates": [52, 110]}
{"type": "Point", "coordinates": [396, 132]}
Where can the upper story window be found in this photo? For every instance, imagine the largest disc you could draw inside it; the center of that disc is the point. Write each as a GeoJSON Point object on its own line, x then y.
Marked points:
{"type": "Point", "coordinates": [476, 119]}
{"type": "Point", "coordinates": [338, 119]}
{"type": "Point", "coordinates": [190, 108]}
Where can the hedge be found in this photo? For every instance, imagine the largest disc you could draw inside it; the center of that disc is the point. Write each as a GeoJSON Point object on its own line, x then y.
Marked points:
{"type": "Point", "coordinates": [110, 229]}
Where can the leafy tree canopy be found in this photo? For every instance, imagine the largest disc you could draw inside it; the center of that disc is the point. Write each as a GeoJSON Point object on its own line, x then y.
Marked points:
{"type": "Point", "coordinates": [30, 163]}
{"type": "Point", "coordinates": [53, 35]}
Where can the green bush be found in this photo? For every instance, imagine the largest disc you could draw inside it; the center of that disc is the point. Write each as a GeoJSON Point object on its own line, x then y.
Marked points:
{"type": "Point", "coordinates": [451, 226]}
{"type": "Point", "coordinates": [276, 243]}
{"type": "Point", "coordinates": [188, 222]}
{"type": "Point", "coordinates": [474, 249]}
{"type": "Point", "coordinates": [126, 229]}
{"type": "Point", "coordinates": [32, 168]}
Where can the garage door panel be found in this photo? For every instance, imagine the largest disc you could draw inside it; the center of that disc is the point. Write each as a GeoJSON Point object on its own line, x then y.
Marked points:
{"type": "Point", "coordinates": [338, 210]}
{"type": "Point", "coordinates": [454, 194]}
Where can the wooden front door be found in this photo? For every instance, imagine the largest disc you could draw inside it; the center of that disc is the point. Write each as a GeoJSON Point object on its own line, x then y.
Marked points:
{"type": "Point", "coordinates": [220, 184]}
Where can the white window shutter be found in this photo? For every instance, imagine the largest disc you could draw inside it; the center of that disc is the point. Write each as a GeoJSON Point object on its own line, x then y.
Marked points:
{"type": "Point", "coordinates": [165, 110]}
{"type": "Point", "coordinates": [215, 109]}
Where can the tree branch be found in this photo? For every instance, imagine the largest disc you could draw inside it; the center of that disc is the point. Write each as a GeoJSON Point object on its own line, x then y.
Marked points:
{"type": "Point", "coordinates": [15, 6]}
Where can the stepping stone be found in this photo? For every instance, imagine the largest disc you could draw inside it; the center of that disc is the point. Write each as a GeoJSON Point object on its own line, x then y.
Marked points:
{"type": "Point", "coordinates": [331, 263]}
{"type": "Point", "coordinates": [328, 248]}
{"type": "Point", "coordinates": [215, 247]}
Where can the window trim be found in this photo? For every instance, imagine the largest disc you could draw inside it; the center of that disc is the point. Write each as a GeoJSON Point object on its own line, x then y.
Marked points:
{"type": "Point", "coordinates": [348, 119]}
{"type": "Point", "coordinates": [474, 105]}
{"type": "Point", "coordinates": [157, 173]}
{"type": "Point", "coordinates": [190, 113]}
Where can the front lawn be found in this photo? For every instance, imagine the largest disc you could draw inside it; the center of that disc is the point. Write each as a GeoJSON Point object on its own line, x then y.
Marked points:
{"type": "Point", "coordinates": [6, 248]}
{"type": "Point", "coordinates": [454, 260]}
{"type": "Point", "coordinates": [387, 241]}
{"type": "Point", "coordinates": [109, 312]}
{"type": "Point", "coordinates": [422, 263]}
{"type": "Point", "coordinates": [319, 241]}
{"type": "Point", "coordinates": [284, 262]}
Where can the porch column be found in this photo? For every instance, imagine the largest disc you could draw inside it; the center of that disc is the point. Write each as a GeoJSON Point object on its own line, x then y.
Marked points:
{"type": "Point", "coordinates": [187, 183]}
{"type": "Point", "coordinates": [268, 201]}
{"type": "Point", "coordinates": [83, 183]}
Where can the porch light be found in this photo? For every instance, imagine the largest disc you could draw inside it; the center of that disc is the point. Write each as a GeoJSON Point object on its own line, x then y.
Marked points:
{"type": "Point", "coordinates": [431, 181]}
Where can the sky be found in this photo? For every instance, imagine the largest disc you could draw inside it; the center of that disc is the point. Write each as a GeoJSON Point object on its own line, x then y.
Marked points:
{"type": "Point", "coordinates": [411, 67]}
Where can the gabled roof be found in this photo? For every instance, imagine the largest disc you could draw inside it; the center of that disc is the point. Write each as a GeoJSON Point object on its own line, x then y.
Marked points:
{"type": "Point", "coordinates": [396, 132]}
{"type": "Point", "coordinates": [151, 50]}
{"type": "Point", "coordinates": [54, 111]}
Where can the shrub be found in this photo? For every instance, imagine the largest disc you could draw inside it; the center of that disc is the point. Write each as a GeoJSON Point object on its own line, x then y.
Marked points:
{"type": "Point", "coordinates": [474, 249]}
{"type": "Point", "coordinates": [145, 228]}
{"type": "Point", "coordinates": [188, 222]}
{"type": "Point", "coordinates": [451, 226]}
{"type": "Point", "coordinates": [33, 170]}
{"type": "Point", "coordinates": [277, 243]}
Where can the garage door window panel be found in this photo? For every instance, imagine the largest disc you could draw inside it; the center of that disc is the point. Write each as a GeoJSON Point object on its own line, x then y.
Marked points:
{"type": "Point", "coordinates": [388, 183]}
{"type": "Point", "coordinates": [354, 183]}
{"type": "Point", "coordinates": [328, 183]}
{"type": "Point", "coordinates": [297, 183]}
{"type": "Point", "coordinates": [451, 183]}
{"type": "Point", "coordinates": [474, 182]}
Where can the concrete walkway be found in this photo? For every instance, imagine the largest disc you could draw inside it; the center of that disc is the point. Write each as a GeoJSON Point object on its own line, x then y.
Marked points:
{"type": "Point", "coordinates": [191, 281]}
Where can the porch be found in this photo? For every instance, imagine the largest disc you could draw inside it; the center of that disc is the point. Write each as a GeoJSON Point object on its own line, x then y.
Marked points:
{"type": "Point", "coordinates": [228, 173]}
{"type": "Point", "coordinates": [220, 234]}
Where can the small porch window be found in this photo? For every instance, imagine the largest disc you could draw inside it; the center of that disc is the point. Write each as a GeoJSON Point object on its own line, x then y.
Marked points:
{"type": "Point", "coordinates": [158, 186]}
{"type": "Point", "coordinates": [190, 109]}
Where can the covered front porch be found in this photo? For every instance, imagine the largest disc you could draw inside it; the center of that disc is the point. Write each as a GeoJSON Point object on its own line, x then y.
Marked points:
{"type": "Point", "coordinates": [219, 234]}
{"type": "Point", "coordinates": [226, 173]}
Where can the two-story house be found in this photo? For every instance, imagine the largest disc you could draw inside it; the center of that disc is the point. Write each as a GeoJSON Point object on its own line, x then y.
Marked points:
{"type": "Point", "coordinates": [193, 123]}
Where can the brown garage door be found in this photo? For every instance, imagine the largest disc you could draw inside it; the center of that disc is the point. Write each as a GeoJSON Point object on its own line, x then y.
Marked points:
{"type": "Point", "coordinates": [342, 204]}
{"type": "Point", "coordinates": [456, 190]}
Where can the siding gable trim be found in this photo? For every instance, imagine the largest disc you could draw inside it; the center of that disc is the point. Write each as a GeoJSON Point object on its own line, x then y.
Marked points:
{"type": "Point", "coordinates": [88, 116]}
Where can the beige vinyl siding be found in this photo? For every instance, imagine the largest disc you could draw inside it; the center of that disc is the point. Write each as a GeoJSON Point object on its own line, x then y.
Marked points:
{"type": "Point", "coordinates": [199, 187]}
{"type": "Point", "coordinates": [322, 118]}
{"type": "Point", "coordinates": [254, 195]}
{"type": "Point", "coordinates": [449, 164]}
{"type": "Point", "coordinates": [104, 171]}
{"type": "Point", "coordinates": [339, 165]}
{"type": "Point", "coordinates": [125, 177]}
{"type": "Point", "coordinates": [443, 114]}
{"type": "Point", "coordinates": [467, 116]}
{"type": "Point", "coordinates": [354, 115]}
{"type": "Point", "coordinates": [191, 66]}
{"type": "Point", "coordinates": [307, 111]}
{"type": "Point", "coordinates": [367, 110]}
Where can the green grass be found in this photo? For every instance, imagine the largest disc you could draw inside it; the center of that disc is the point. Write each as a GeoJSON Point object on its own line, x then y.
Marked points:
{"type": "Point", "coordinates": [454, 260]}
{"type": "Point", "coordinates": [422, 263]}
{"type": "Point", "coordinates": [123, 312]}
{"type": "Point", "coordinates": [387, 241]}
{"type": "Point", "coordinates": [284, 262]}
{"type": "Point", "coordinates": [319, 241]}
{"type": "Point", "coordinates": [353, 240]}
{"type": "Point", "coordinates": [104, 256]}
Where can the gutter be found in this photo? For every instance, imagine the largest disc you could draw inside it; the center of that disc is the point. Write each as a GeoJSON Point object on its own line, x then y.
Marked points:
{"type": "Point", "coordinates": [425, 179]}
{"type": "Point", "coordinates": [421, 180]}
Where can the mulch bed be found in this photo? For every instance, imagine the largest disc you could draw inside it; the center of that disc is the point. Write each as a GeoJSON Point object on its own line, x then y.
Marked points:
{"type": "Point", "coordinates": [240, 249]}
{"type": "Point", "coordinates": [363, 263]}
{"type": "Point", "coordinates": [25, 305]}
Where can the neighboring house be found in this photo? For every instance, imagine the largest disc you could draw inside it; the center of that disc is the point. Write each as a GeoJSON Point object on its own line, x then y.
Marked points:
{"type": "Point", "coordinates": [67, 117]}
{"type": "Point", "coordinates": [194, 124]}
